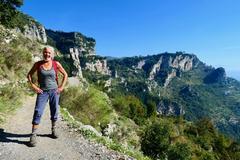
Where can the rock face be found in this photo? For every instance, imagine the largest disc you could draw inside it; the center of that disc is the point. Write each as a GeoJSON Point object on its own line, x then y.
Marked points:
{"type": "Point", "coordinates": [111, 127]}
{"type": "Point", "coordinates": [170, 76]}
{"type": "Point", "coordinates": [63, 41]}
{"type": "Point", "coordinates": [98, 66]}
{"type": "Point", "coordinates": [140, 64]}
{"type": "Point", "coordinates": [35, 31]}
{"type": "Point", "coordinates": [171, 65]}
{"type": "Point", "coordinates": [170, 108]}
{"type": "Point", "coordinates": [216, 76]}
{"type": "Point", "coordinates": [74, 52]}
{"type": "Point", "coordinates": [74, 46]}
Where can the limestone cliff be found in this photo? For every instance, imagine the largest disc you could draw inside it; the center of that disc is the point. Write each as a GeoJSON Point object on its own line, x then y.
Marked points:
{"type": "Point", "coordinates": [63, 41]}
{"type": "Point", "coordinates": [74, 52]}
{"type": "Point", "coordinates": [99, 66]}
{"type": "Point", "coordinates": [140, 64]}
{"type": "Point", "coordinates": [79, 51]}
{"type": "Point", "coordinates": [74, 46]}
{"type": "Point", "coordinates": [35, 31]}
{"type": "Point", "coordinates": [171, 65]}
{"type": "Point", "coordinates": [170, 108]}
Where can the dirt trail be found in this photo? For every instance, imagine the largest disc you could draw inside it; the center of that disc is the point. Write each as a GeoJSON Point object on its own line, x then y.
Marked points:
{"type": "Point", "coordinates": [14, 137]}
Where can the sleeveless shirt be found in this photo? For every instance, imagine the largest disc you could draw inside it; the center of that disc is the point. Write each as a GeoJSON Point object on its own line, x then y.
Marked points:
{"type": "Point", "coordinates": [47, 79]}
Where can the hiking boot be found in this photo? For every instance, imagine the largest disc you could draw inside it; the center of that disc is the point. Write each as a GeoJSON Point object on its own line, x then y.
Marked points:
{"type": "Point", "coordinates": [54, 133]}
{"type": "Point", "coordinates": [33, 140]}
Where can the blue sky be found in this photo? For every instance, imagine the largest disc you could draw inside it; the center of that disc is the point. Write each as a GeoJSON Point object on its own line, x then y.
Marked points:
{"type": "Point", "coordinates": [208, 28]}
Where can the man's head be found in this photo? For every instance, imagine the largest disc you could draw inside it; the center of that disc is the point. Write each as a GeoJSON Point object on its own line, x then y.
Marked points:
{"type": "Point", "coordinates": [48, 53]}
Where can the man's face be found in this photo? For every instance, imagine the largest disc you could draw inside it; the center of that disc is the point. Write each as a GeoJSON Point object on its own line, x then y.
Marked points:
{"type": "Point", "coordinates": [47, 55]}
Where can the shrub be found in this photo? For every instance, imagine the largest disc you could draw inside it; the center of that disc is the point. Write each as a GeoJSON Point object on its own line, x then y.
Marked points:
{"type": "Point", "coordinates": [90, 107]}
{"type": "Point", "coordinates": [179, 151]}
{"type": "Point", "coordinates": [156, 140]}
{"type": "Point", "coordinates": [151, 109]}
{"type": "Point", "coordinates": [10, 97]}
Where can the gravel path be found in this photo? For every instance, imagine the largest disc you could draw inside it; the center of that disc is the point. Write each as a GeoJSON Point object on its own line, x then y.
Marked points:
{"type": "Point", "coordinates": [14, 137]}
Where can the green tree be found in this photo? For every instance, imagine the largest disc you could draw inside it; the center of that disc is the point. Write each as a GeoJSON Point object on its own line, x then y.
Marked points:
{"type": "Point", "coordinates": [207, 156]}
{"type": "Point", "coordinates": [205, 127]}
{"type": "Point", "coordinates": [9, 12]}
{"type": "Point", "coordinates": [156, 140]}
{"type": "Point", "coordinates": [179, 151]}
{"type": "Point", "coordinates": [151, 108]}
{"type": "Point", "coordinates": [136, 109]}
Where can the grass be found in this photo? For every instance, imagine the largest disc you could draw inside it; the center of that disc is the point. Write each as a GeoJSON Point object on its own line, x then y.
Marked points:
{"type": "Point", "coordinates": [110, 144]}
{"type": "Point", "coordinates": [90, 107]}
{"type": "Point", "coordinates": [15, 62]}
{"type": "Point", "coordinates": [10, 100]}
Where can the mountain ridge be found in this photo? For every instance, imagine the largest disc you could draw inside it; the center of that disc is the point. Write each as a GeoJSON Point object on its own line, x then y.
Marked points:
{"type": "Point", "coordinates": [175, 98]}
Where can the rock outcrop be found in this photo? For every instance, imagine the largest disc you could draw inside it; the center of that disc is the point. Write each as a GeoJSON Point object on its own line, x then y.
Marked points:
{"type": "Point", "coordinates": [170, 108]}
{"type": "Point", "coordinates": [140, 64]}
{"type": "Point", "coordinates": [74, 52]}
{"type": "Point", "coordinates": [170, 76]}
{"type": "Point", "coordinates": [171, 65]}
{"type": "Point", "coordinates": [35, 31]}
{"type": "Point", "coordinates": [63, 41]}
{"type": "Point", "coordinates": [74, 45]}
{"type": "Point", "coordinates": [99, 66]}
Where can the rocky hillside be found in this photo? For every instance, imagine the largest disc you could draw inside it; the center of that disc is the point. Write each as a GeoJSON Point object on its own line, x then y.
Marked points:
{"type": "Point", "coordinates": [68, 42]}
{"type": "Point", "coordinates": [77, 52]}
{"type": "Point", "coordinates": [145, 104]}
{"type": "Point", "coordinates": [181, 84]}
{"type": "Point", "coordinates": [178, 83]}
{"type": "Point", "coordinates": [17, 54]}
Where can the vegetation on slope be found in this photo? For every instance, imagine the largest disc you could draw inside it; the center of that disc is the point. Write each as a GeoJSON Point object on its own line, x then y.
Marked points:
{"type": "Point", "coordinates": [131, 108]}
{"type": "Point", "coordinates": [158, 137]}
{"type": "Point", "coordinates": [200, 92]}
{"type": "Point", "coordinates": [15, 62]}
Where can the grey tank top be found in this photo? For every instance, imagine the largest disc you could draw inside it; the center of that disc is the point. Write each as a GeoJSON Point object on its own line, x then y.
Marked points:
{"type": "Point", "coordinates": [47, 79]}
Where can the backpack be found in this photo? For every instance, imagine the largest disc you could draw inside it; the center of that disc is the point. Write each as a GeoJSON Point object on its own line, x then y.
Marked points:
{"type": "Point", "coordinates": [54, 63]}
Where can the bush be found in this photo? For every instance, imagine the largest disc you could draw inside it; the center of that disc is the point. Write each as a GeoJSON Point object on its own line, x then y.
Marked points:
{"type": "Point", "coordinates": [179, 151]}
{"type": "Point", "coordinates": [131, 107]}
{"type": "Point", "coordinates": [90, 107]}
{"type": "Point", "coordinates": [10, 97]}
{"type": "Point", "coordinates": [156, 140]}
{"type": "Point", "coordinates": [205, 155]}
{"type": "Point", "coordinates": [151, 109]}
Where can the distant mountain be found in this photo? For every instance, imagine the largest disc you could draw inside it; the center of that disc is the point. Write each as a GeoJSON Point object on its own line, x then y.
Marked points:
{"type": "Point", "coordinates": [138, 102]}
{"type": "Point", "coordinates": [182, 85]}
{"type": "Point", "coordinates": [178, 83]}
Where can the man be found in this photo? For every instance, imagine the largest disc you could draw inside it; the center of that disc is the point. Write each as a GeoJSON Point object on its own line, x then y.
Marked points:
{"type": "Point", "coordinates": [48, 89]}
